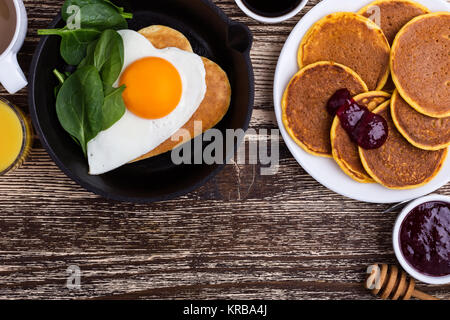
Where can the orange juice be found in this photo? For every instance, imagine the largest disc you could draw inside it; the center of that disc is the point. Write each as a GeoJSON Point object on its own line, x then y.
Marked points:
{"type": "Point", "coordinates": [14, 137]}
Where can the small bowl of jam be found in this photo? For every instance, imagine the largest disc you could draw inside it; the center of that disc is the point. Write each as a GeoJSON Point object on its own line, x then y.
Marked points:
{"type": "Point", "coordinates": [421, 239]}
{"type": "Point", "coordinates": [270, 11]}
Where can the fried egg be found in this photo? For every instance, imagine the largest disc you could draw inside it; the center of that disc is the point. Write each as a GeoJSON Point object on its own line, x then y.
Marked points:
{"type": "Point", "coordinates": [164, 88]}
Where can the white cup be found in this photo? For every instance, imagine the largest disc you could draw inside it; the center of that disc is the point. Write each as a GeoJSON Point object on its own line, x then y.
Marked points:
{"type": "Point", "coordinates": [396, 241]}
{"type": "Point", "coordinates": [11, 75]}
{"type": "Point", "coordinates": [263, 19]}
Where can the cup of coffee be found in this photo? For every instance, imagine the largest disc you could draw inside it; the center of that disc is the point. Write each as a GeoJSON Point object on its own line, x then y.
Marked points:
{"type": "Point", "coordinates": [271, 11]}
{"type": "Point", "coordinates": [13, 24]}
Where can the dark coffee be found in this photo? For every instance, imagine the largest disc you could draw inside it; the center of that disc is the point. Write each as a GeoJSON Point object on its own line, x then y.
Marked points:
{"type": "Point", "coordinates": [271, 8]}
{"type": "Point", "coordinates": [7, 23]}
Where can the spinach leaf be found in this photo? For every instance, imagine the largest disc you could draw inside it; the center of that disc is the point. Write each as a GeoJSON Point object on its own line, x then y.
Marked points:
{"type": "Point", "coordinates": [124, 14]}
{"type": "Point", "coordinates": [109, 56]}
{"type": "Point", "coordinates": [95, 16]}
{"type": "Point", "coordinates": [113, 107]}
{"type": "Point", "coordinates": [79, 105]}
{"type": "Point", "coordinates": [74, 43]}
{"type": "Point", "coordinates": [61, 78]}
{"type": "Point", "coordinates": [101, 16]}
{"type": "Point", "coordinates": [89, 58]}
{"type": "Point", "coordinates": [81, 3]}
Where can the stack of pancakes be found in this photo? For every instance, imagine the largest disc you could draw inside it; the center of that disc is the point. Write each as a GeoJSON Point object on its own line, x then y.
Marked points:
{"type": "Point", "coordinates": [399, 70]}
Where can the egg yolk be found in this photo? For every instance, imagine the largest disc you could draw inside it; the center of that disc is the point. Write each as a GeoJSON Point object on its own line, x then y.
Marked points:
{"type": "Point", "coordinates": [153, 87]}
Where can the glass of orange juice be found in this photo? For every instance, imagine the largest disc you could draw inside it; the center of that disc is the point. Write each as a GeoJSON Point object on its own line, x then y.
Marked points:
{"type": "Point", "coordinates": [15, 137]}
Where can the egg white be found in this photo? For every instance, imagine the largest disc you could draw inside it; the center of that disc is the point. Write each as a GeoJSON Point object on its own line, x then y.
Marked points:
{"type": "Point", "coordinates": [132, 136]}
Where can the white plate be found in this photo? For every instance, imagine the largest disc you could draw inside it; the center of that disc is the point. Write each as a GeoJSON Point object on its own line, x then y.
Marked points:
{"type": "Point", "coordinates": [325, 170]}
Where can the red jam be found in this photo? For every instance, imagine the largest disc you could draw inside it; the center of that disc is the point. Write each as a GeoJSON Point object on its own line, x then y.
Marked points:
{"type": "Point", "coordinates": [366, 129]}
{"type": "Point", "coordinates": [340, 97]}
{"type": "Point", "coordinates": [371, 131]}
{"type": "Point", "coordinates": [350, 114]}
{"type": "Point", "coordinates": [425, 238]}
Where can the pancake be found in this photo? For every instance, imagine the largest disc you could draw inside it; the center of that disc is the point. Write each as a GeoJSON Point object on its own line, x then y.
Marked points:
{"type": "Point", "coordinates": [398, 164]}
{"type": "Point", "coordinates": [420, 130]}
{"type": "Point", "coordinates": [162, 37]}
{"type": "Point", "coordinates": [420, 64]}
{"type": "Point", "coordinates": [212, 109]}
{"type": "Point", "coordinates": [345, 151]}
{"type": "Point", "coordinates": [394, 14]}
{"type": "Point", "coordinates": [305, 116]}
{"type": "Point", "coordinates": [352, 40]}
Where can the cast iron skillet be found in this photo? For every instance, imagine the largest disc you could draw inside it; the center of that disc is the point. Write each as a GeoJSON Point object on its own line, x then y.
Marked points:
{"type": "Point", "coordinates": [212, 35]}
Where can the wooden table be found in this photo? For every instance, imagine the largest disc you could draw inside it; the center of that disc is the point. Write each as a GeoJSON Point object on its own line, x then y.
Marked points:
{"type": "Point", "coordinates": [241, 236]}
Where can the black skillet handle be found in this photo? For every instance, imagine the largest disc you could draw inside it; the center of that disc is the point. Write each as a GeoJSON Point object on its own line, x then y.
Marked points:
{"type": "Point", "coordinates": [240, 37]}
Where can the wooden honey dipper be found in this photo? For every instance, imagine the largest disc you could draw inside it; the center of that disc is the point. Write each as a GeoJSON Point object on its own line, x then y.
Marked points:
{"type": "Point", "coordinates": [393, 284]}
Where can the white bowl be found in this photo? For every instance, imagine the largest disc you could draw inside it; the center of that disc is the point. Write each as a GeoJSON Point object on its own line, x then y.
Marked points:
{"type": "Point", "coordinates": [325, 170]}
{"type": "Point", "coordinates": [263, 19]}
{"type": "Point", "coordinates": [396, 241]}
